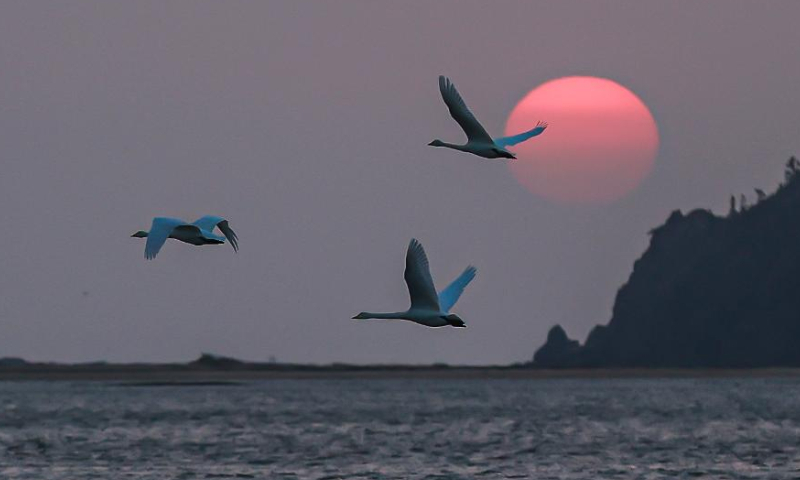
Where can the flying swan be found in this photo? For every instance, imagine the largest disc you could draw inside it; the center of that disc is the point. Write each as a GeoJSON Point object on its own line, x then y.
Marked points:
{"type": "Point", "coordinates": [198, 233]}
{"type": "Point", "coordinates": [478, 140]}
{"type": "Point", "coordinates": [427, 308]}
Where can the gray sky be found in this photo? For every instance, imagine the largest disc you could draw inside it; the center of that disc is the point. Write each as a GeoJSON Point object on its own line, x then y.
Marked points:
{"type": "Point", "coordinates": [306, 124]}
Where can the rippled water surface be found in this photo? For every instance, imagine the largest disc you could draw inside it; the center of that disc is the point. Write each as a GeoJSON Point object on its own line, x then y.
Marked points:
{"type": "Point", "coordinates": [543, 429]}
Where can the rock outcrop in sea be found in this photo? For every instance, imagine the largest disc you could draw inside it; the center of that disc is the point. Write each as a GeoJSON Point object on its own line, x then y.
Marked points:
{"type": "Point", "coordinates": [709, 291]}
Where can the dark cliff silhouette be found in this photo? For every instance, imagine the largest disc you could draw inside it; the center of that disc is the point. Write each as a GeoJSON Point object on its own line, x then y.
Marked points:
{"type": "Point", "coordinates": [709, 291]}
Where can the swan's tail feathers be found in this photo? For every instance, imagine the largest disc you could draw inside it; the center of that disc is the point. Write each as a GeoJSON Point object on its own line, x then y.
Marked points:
{"type": "Point", "coordinates": [455, 321]}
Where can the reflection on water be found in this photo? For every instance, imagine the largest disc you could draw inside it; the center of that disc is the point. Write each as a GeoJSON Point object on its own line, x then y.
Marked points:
{"type": "Point", "coordinates": [559, 429]}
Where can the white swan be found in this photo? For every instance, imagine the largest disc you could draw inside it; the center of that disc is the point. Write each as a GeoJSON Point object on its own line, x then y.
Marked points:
{"type": "Point", "coordinates": [479, 142]}
{"type": "Point", "coordinates": [427, 308]}
{"type": "Point", "coordinates": [201, 232]}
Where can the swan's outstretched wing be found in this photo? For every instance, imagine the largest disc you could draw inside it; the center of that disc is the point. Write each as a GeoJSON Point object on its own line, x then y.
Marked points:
{"type": "Point", "coordinates": [461, 114]}
{"type": "Point", "coordinates": [210, 221]}
{"type": "Point", "coordinates": [160, 230]}
{"type": "Point", "coordinates": [450, 295]}
{"type": "Point", "coordinates": [418, 278]}
{"type": "Point", "coordinates": [521, 137]}
{"type": "Point", "coordinates": [229, 234]}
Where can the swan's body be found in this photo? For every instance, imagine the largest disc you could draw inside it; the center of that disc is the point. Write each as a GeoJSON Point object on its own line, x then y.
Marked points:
{"type": "Point", "coordinates": [427, 307]}
{"type": "Point", "coordinates": [201, 232]}
{"type": "Point", "coordinates": [479, 142]}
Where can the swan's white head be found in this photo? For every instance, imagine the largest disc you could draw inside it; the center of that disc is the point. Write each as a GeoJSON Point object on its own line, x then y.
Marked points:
{"type": "Point", "coordinates": [437, 143]}
{"type": "Point", "coordinates": [454, 320]}
{"type": "Point", "coordinates": [140, 234]}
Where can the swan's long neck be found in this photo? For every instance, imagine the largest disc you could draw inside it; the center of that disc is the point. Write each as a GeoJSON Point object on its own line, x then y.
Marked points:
{"type": "Point", "coordinates": [385, 316]}
{"type": "Point", "coordinates": [462, 148]}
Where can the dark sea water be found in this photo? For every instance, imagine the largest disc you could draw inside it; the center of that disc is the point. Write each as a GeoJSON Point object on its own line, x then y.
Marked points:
{"type": "Point", "coordinates": [426, 429]}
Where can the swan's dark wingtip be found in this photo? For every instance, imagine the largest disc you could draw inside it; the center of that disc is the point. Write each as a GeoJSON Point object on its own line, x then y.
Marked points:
{"type": "Point", "coordinates": [444, 83]}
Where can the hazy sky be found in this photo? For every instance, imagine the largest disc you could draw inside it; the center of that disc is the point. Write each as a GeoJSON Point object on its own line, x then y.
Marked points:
{"type": "Point", "coordinates": [306, 124]}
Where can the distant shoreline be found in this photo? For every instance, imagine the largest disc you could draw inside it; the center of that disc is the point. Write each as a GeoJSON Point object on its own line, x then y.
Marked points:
{"type": "Point", "coordinates": [196, 374]}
